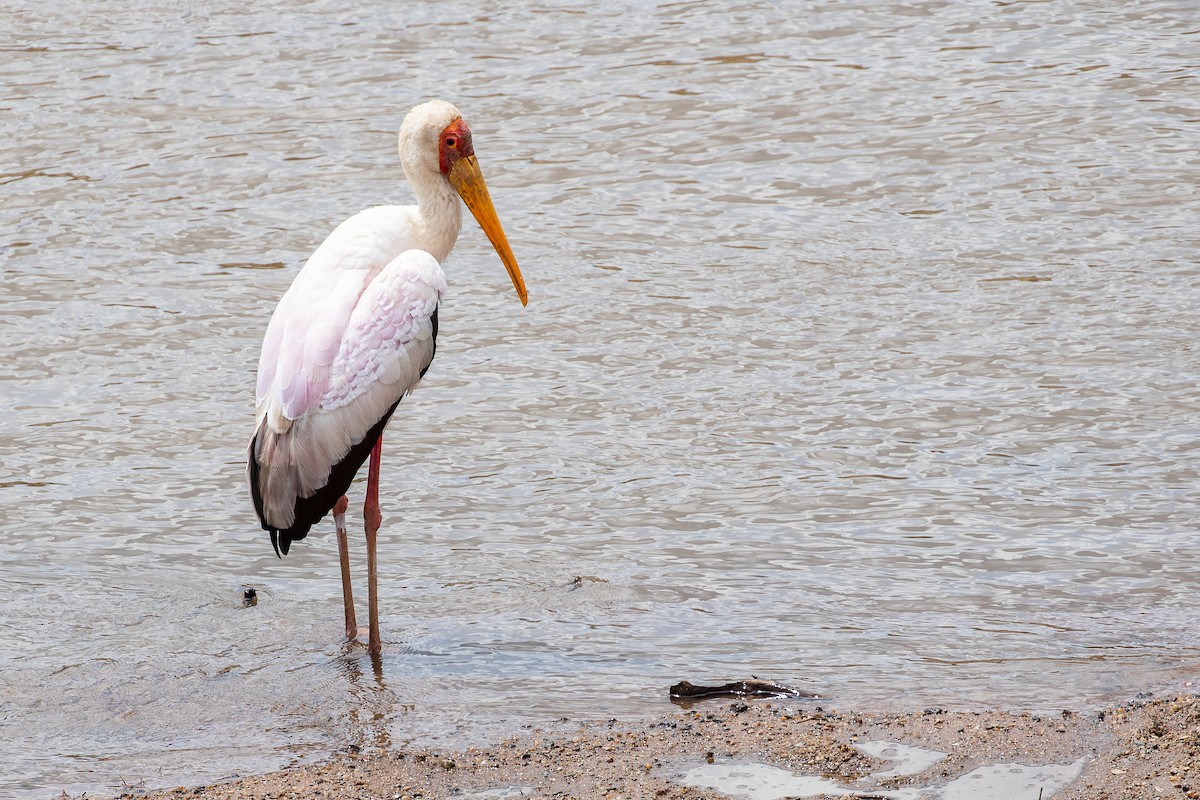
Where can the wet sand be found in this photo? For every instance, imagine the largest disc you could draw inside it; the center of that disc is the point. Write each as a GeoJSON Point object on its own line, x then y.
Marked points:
{"type": "Point", "coordinates": [1144, 749]}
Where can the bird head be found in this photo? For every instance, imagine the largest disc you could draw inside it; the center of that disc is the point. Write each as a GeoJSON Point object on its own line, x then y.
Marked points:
{"type": "Point", "coordinates": [434, 136]}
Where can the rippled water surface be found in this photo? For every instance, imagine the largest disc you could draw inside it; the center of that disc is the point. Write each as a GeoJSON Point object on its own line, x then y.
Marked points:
{"type": "Point", "coordinates": [860, 355]}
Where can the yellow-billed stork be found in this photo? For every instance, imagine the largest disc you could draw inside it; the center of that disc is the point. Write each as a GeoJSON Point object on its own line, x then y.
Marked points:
{"type": "Point", "coordinates": [354, 333]}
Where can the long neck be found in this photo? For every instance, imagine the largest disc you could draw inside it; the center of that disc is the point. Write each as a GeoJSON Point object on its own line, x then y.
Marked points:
{"type": "Point", "coordinates": [439, 214]}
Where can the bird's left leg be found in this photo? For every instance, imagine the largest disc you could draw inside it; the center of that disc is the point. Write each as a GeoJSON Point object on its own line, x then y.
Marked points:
{"type": "Point", "coordinates": [339, 521]}
{"type": "Point", "coordinates": [371, 519]}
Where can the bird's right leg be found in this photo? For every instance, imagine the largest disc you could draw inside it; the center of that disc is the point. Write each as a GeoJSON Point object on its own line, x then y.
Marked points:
{"type": "Point", "coordinates": [371, 520]}
{"type": "Point", "coordinates": [339, 520]}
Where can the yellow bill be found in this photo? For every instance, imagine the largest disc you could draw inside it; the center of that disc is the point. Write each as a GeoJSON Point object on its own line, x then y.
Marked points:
{"type": "Point", "coordinates": [467, 180]}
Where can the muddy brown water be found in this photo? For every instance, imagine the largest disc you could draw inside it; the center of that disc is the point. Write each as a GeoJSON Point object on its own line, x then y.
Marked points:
{"type": "Point", "coordinates": [860, 356]}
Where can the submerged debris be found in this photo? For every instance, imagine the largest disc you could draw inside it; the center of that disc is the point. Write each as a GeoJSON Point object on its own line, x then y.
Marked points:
{"type": "Point", "coordinates": [685, 690]}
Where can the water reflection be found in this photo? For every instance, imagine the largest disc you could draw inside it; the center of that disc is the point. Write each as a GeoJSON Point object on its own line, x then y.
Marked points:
{"type": "Point", "coordinates": [372, 705]}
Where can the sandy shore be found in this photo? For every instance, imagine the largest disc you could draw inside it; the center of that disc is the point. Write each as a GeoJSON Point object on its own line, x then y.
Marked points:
{"type": "Point", "coordinates": [1145, 749]}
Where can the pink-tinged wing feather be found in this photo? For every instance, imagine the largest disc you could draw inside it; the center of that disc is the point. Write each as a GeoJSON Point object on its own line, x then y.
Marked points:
{"type": "Point", "coordinates": [389, 340]}
{"type": "Point", "coordinates": [307, 328]}
{"type": "Point", "coordinates": [313, 325]}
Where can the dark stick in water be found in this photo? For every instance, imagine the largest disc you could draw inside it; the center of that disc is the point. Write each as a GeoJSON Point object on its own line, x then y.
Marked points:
{"type": "Point", "coordinates": [752, 688]}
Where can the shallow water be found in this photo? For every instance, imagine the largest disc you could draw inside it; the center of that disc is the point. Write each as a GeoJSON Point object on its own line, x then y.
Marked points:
{"type": "Point", "coordinates": [860, 355]}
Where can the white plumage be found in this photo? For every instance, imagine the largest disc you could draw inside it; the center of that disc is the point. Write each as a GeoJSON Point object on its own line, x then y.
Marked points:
{"type": "Point", "coordinates": [385, 346]}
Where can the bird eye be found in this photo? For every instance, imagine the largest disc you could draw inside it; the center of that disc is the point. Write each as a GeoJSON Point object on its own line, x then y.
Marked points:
{"type": "Point", "coordinates": [451, 141]}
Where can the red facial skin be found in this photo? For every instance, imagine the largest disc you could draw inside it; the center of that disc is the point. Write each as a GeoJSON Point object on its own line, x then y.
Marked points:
{"type": "Point", "coordinates": [454, 144]}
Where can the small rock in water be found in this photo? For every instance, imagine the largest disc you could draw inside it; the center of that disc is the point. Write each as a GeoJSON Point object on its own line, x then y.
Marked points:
{"type": "Point", "coordinates": [249, 596]}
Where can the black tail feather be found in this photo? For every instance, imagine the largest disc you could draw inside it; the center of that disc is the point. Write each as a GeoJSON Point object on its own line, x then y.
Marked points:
{"type": "Point", "coordinates": [312, 509]}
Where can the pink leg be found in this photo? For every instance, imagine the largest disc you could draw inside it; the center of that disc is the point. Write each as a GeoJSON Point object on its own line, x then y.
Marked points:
{"type": "Point", "coordinates": [339, 520]}
{"type": "Point", "coordinates": [372, 518]}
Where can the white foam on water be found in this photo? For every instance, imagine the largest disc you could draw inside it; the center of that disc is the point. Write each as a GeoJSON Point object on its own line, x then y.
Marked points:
{"type": "Point", "coordinates": [993, 782]}
{"type": "Point", "coordinates": [1007, 781]}
{"type": "Point", "coordinates": [909, 759]}
{"type": "Point", "coordinates": [757, 781]}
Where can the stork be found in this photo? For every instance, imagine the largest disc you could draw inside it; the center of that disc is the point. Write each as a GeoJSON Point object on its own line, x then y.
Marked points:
{"type": "Point", "coordinates": [353, 335]}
